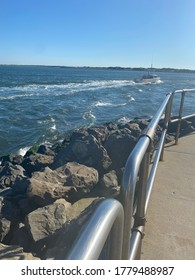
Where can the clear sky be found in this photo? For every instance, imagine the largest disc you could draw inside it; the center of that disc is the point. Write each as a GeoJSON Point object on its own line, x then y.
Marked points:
{"type": "Point", "coordinates": [127, 33]}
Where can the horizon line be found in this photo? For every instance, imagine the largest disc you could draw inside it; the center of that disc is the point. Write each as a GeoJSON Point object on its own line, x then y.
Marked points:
{"type": "Point", "coordinates": [105, 67]}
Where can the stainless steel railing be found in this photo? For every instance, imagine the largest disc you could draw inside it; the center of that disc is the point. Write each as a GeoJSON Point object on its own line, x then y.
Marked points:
{"type": "Point", "coordinates": [107, 221]}
{"type": "Point", "coordinates": [124, 222]}
{"type": "Point", "coordinates": [138, 164]}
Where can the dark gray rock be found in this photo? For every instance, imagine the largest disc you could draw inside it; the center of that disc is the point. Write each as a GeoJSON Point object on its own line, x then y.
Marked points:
{"type": "Point", "coordinates": [78, 134]}
{"type": "Point", "coordinates": [9, 216]}
{"type": "Point", "coordinates": [21, 237]}
{"type": "Point", "coordinates": [189, 129]}
{"type": "Point", "coordinates": [143, 123]}
{"type": "Point", "coordinates": [133, 127]}
{"type": "Point", "coordinates": [90, 152]}
{"type": "Point", "coordinates": [63, 156]}
{"type": "Point", "coordinates": [100, 133]}
{"type": "Point", "coordinates": [36, 162]}
{"type": "Point", "coordinates": [119, 145]}
{"type": "Point", "coordinates": [14, 252]}
{"type": "Point", "coordinates": [9, 173]}
{"type": "Point", "coordinates": [26, 205]}
{"type": "Point", "coordinates": [172, 128]}
{"type": "Point", "coordinates": [45, 150]}
{"type": "Point", "coordinates": [14, 159]}
{"type": "Point", "coordinates": [169, 138]}
{"type": "Point", "coordinates": [5, 226]}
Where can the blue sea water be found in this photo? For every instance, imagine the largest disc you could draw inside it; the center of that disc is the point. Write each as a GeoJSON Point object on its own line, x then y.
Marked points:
{"type": "Point", "coordinates": [39, 104]}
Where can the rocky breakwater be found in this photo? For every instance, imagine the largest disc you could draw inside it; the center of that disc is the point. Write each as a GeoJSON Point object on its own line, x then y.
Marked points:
{"type": "Point", "coordinates": [47, 195]}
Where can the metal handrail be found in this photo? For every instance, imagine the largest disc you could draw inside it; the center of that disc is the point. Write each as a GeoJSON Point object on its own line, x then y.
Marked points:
{"type": "Point", "coordinates": [124, 222]}
{"type": "Point", "coordinates": [107, 220]}
{"type": "Point", "coordinates": [138, 164]}
{"type": "Point", "coordinates": [180, 117]}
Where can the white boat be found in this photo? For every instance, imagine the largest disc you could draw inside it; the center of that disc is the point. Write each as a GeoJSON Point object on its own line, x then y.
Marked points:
{"type": "Point", "coordinates": [149, 78]}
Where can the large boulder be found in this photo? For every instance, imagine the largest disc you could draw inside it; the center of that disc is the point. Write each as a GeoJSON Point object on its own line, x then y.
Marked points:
{"type": "Point", "coordinates": [47, 220]}
{"type": "Point", "coordinates": [90, 152]}
{"type": "Point", "coordinates": [84, 149]}
{"type": "Point", "coordinates": [49, 175]}
{"type": "Point", "coordinates": [80, 178]}
{"type": "Point", "coordinates": [58, 245]}
{"type": "Point", "coordinates": [119, 145]}
{"type": "Point", "coordinates": [55, 227]}
{"type": "Point", "coordinates": [43, 188]}
{"type": "Point", "coordinates": [43, 193]}
{"type": "Point", "coordinates": [70, 181]}
{"type": "Point", "coordinates": [78, 175]}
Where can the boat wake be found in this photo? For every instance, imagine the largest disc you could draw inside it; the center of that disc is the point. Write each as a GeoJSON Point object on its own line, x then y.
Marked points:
{"type": "Point", "coordinates": [60, 89]}
{"type": "Point", "coordinates": [138, 82]}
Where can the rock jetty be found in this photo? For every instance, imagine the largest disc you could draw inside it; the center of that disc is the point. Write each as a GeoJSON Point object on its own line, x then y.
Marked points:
{"type": "Point", "coordinates": [48, 194]}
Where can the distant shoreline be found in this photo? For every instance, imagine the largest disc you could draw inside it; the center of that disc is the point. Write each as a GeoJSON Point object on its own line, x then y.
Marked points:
{"type": "Point", "coordinates": [175, 70]}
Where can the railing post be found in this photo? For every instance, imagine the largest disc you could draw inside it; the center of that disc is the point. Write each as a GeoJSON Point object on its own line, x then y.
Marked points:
{"type": "Point", "coordinates": [167, 120]}
{"type": "Point", "coordinates": [139, 218]}
{"type": "Point", "coordinates": [128, 190]}
{"type": "Point", "coordinates": [180, 118]}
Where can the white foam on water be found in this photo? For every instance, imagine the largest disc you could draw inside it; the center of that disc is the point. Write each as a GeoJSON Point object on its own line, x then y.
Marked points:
{"type": "Point", "coordinates": [130, 98]}
{"type": "Point", "coordinates": [22, 151]}
{"type": "Point", "coordinates": [60, 89]}
{"type": "Point", "coordinates": [124, 120]}
{"type": "Point", "coordinates": [53, 127]}
{"type": "Point", "coordinates": [89, 115]}
{"type": "Point", "coordinates": [107, 104]}
{"type": "Point", "coordinates": [11, 97]}
{"type": "Point", "coordinates": [102, 104]}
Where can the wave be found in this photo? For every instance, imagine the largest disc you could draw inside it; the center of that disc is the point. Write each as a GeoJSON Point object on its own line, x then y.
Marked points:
{"type": "Point", "coordinates": [106, 104]}
{"type": "Point", "coordinates": [22, 151]}
{"type": "Point", "coordinates": [89, 116]}
{"type": "Point", "coordinates": [48, 122]}
{"type": "Point", "coordinates": [149, 83]}
{"type": "Point", "coordinates": [10, 97]}
{"type": "Point", "coordinates": [123, 120]}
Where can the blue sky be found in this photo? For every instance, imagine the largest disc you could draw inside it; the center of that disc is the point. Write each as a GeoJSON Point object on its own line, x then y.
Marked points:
{"type": "Point", "coordinates": [128, 33]}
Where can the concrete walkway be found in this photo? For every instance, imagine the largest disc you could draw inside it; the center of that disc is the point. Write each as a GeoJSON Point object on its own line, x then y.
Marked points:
{"type": "Point", "coordinates": [170, 227]}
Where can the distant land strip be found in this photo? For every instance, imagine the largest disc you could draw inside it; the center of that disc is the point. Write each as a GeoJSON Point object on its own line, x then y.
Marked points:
{"type": "Point", "coordinates": [114, 68]}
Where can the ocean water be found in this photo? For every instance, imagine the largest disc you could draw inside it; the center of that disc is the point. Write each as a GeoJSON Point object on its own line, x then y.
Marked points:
{"type": "Point", "coordinates": [39, 104]}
